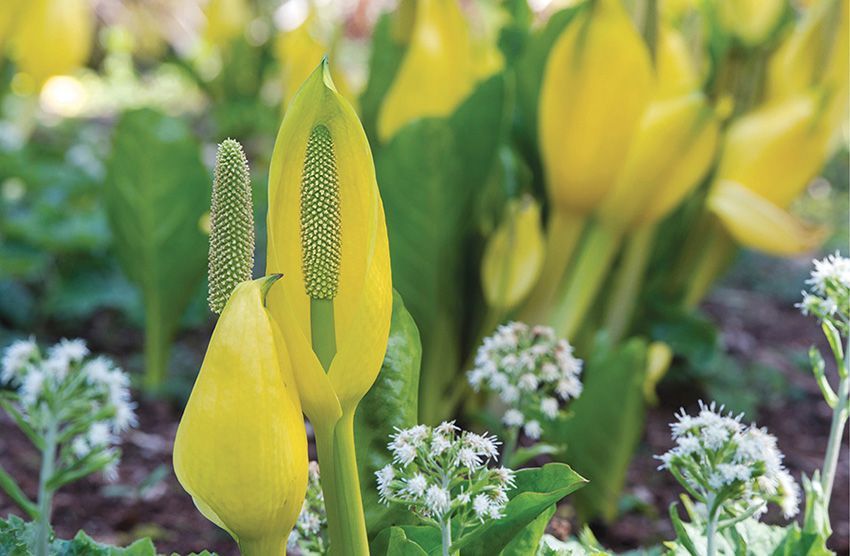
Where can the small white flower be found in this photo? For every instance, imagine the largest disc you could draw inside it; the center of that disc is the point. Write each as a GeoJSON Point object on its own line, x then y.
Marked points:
{"type": "Point", "coordinates": [56, 367]}
{"type": "Point", "coordinates": [438, 500]}
{"type": "Point", "coordinates": [505, 476]}
{"type": "Point", "coordinates": [110, 470]}
{"type": "Point", "coordinates": [32, 387]}
{"type": "Point", "coordinates": [549, 372]}
{"type": "Point", "coordinates": [513, 418]}
{"type": "Point", "coordinates": [509, 394]}
{"type": "Point", "coordinates": [484, 445]}
{"type": "Point", "coordinates": [15, 359]}
{"type": "Point", "coordinates": [549, 407]}
{"type": "Point", "coordinates": [532, 430]}
{"type": "Point", "coordinates": [405, 454]}
{"type": "Point", "coordinates": [416, 485]}
{"type": "Point", "coordinates": [125, 416]}
{"type": "Point", "coordinates": [528, 382]}
{"type": "Point", "coordinates": [568, 388]}
{"type": "Point", "coordinates": [834, 268]}
{"type": "Point", "coordinates": [481, 506]}
{"type": "Point", "coordinates": [80, 447]}
{"type": "Point", "coordinates": [99, 435]}
{"type": "Point", "coordinates": [468, 457]}
{"type": "Point", "coordinates": [687, 444]}
{"type": "Point", "coordinates": [790, 503]}
{"type": "Point", "coordinates": [98, 371]}
{"type": "Point", "coordinates": [385, 476]}
{"type": "Point", "coordinates": [440, 444]}
{"type": "Point", "coordinates": [72, 351]}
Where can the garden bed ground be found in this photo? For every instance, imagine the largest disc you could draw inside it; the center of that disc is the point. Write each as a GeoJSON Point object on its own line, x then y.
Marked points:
{"type": "Point", "coordinates": [755, 331]}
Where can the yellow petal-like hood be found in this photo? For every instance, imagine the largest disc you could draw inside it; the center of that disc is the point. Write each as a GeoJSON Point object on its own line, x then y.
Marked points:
{"type": "Point", "coordinates": [750, 21]}
{"type": "Point", "coordinates": [437, 71]}
{"type": "Point", "coordinates": [225, 20]}
{"type": "Point", "coordinates": [676, 72]}
{"type": "Point", "coordinates": [53, 37]}
{"type": "Point", "coordinates": [671, 152]}
{"type": "Point", "coordinates": [513, 256]}
{"type": "Point", "coordinates": [362, 304]}
{"type": "Point", "coordinates": [757, 223]}
{"type": "Point", "coordinates": [241, 448]}
{"type": "Point", "coordinates": [777, 149]}
{"type": "Point", "coordinates": [596, 86]}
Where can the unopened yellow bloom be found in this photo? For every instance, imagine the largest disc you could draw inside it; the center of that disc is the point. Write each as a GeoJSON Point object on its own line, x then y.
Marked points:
{"type": "Point", "coordinates": [750, 21]}
{"type": "Point", "coordinates": [327, 235]}
{"type": "Point", "coordinates": [676, 72]}
{"type": "Point", "coordinates": [596, 86]}
{"type": "Point", "coordinates": [226, 20]}
{"type": "Point", "coordinates": [437, 71]}
{"type": "Point", "coordinates": [53, 37]}
{"type": "Point", "coordinates": [671, 152]}
{"type": "Point", "coordinates": [241, 448]}
{"type": "Point", "coordinates": [767, 159]}
{"type": "Point", "coordinates": [513, 256]}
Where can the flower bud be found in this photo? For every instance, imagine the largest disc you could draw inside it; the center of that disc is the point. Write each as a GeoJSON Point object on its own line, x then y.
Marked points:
{"type": "Point", "coordinates": [327, 235]}
{"type": "Point", "coordinates": [437, 71]}
{"type": "Point", "coordinates": [676, 72]}
{"type": "Point", "coordinates": [749, 21]}
{"type": "Point", "coordinates": [53, 37]}
{"type": "Point", "coordinates": [241, 448]}
{"type": "Point", "coordinates": [596, 85]}
{"type": "Point", "coordinates": [671, 152]}
{"type": "Point", "coordinates": [513, 256]}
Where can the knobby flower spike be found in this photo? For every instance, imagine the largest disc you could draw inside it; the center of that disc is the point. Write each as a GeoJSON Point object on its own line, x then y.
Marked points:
{"type": "Point", "coordinates": [437, 71]}
{"type": "Point", "coordinates": [441, 474]}
{"type": "Point", "coordinates": [596, 85]}
{"type": "Point", "coordinates": [328, 236]}
{"type": "Point", "coordinates": [241, 448]}
{"type": "Point", "coordinates": [767, 158]}
{"type": "Point", "coordinates": [733, 469]}
{"type": "Point", "coordinates": [231, 258]}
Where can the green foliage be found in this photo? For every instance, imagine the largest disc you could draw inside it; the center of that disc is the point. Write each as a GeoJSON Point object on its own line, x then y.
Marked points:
{"type": "Point", "coordinates": [386, 57]}
{"type": "Point", "coordinates": [607, 424]}
{"type": "Point", "coordinates": [156, 191]}
{"type": "Point", "coordinates": [391, 403]}
{"type": "Point", "coordinates": [16, 538]}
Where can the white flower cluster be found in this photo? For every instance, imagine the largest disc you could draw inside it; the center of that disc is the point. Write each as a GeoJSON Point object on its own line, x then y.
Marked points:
{"type": "Point", "coordinates": [720, 461]}
{"type": "Point", "coordinates": [829, 298]}
{"type": "Point", "coordinates": [441, 474]}
{"type": "Point", "coordinates": [309, 537]}
{"type": "Point", "coordinates": [87, 400]}
{"type": "Point", "coordinates": [532, 372]}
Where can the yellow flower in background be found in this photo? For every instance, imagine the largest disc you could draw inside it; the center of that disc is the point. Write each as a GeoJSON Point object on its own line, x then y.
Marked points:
{"type": "Point", "coordinates": [675, 71]}
{"type": "Point", "coordinates": [672, 151]}
{"type": "Point", "coordinates": [8, 17]}
{"type": "Point", "coordinates": [327, 235]}
{"type": "Point", "coordinates": [596, 86]}
{"type": "Point", "coordinates": [241, 447]}
{"type": "Point", "coordinates": [750, 21]}
{"type": "Point", "coordinates": [767, 158]}
{"type": "Point", "coordinates": [226, 20]}
{"type": "Point", "coordinates": [53, 37]}
{"type": "Point", "coordinates": [298, 52]}
{"type": "Point", "coordinates": [513, 255]}
{"type": "Point", "coordinates": [437, 71]}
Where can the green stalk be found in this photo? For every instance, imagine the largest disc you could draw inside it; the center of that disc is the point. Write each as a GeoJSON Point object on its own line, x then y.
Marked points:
{"type": "Point", "coordinates": [322, 330]}
{"type": "Point", "coordinates": [562, 236]}
{"type": "Point", "coordinates": [508, 448]}
{"type": "Point", "coordinates": [327, 478]}
{"type": "Point", "coordinates": [45, 494]}
{"type": "Point", "coordinates": [262, 547]}
{"type": "Point", "coordinates": [711, 527]}
{"type": "Point", "coordinates": [352, 526]}
{"type": "Point", "coordinates": [714, 259]}
{"type": "Point", "coordinates": [156, 348]}
{"type": "Point", "coordinates": [446, 535]}
{"type": "Point", "coordinates": [628, 282]}
{"type": "Point", "coordinates": [586, 279]}
{"type": "Point", "coordinates": [836, 432]}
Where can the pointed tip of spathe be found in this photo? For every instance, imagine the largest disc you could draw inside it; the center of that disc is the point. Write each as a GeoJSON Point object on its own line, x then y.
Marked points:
{"type": "Point", "coordinates": [325, 67]}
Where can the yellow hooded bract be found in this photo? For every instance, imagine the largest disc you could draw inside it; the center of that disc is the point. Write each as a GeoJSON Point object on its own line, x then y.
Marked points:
{"type": "Point", "coordinates": [53, 37]}
{"type": "Point", "coordinates": [225, 20]}
{"type": "Point", "coordinates": [513, 255]}
{"type": "Point", "coordinates": [437, 71]}
{"type": "Point", "coordinates": [750, 21]}
{"type": "Point", "coordinates": [362, 303]}
{"type": "Point", "coordinates": [676, 72]}
{"type": "Point", "coordinates": [673, 149]}
{"type": "Point", "coordinates": [596, 85]}
{"type": "Point", "coordinates": [241, 448]}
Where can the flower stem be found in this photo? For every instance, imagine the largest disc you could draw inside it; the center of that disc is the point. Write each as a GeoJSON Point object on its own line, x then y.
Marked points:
{"type": "Point", "coordinates": [446, 531]}
{"type": "Point", "coordinates": [45, 495]}
{"type": "Point", "coordinates": [836, 432]}
{"type": "Point", "coordinates": [717, 253]}
{"type": "Point", "coordinates": [156, 347]}
{"type": "Point", "coordinates": [561, 239]}
{"type": "Point", "coordinates": [352, 522]}
{"type": "Point", "coordinates": [508, 448]}
{"type": "Point", "coordinates": [628, 282]}
{"type": "Point", "coordinates": [327, 478]}
{"type": "Point", "coordinates": [262, 547]}
{"type": "Point", "coordinates": [711, 526]}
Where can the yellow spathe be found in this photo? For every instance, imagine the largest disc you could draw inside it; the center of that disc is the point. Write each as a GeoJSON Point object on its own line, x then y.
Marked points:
{"type": "Point", "coordinates": [597, 82]}
{"type": "Point", "coordinates": [225, 20]}
{"type": "Point", "coordinates": [676, 72]}
{"type": "Point", "coordinates": [363, 302]}
{"type": "Point", "coordinates": [437, 71]}
{"type": "Point", "coordinates": [750, 21]}
{"type": "Point", "coordinates": [241, 448]}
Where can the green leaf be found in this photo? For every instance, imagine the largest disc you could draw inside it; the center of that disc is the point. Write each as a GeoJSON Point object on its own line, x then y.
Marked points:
{"type": "Point", "coordinates": [525, 454]}
{"type": "Point", "coordinates": [156, 191]}
{"type": "Point", "coordinates": [14, 492]}
{"type": "Point", "coordinates": [527, 541]}
{"type": "Point", "coordinates": [536, 490]}
{"type": "Point", "coordinates": [386, 57]}
{"type": "Point", "coordinates": [393, 541]}
{"type": "Point", "coordinates": [390, 403]}
{"type": "Point", "coordinates": [607, 424]}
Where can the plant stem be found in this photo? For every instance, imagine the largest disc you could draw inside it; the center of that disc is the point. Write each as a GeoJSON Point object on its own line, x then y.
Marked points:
{"type": "Point", "coordinates": [45, 495]}
{"type": "Point", "coordinates": [322, 330]}
{"type": "Point", "coordinates": [627, 283]}
{"type": "Point", "coordinates": [716, 255]}
{"type": "Point", "coordinates": [585, 280]}
{"type": "Point", "coordinates": [446, 531]}
{"type": "Point", "coordinates": [327, 478]}
{"type": "Point", "coordinates": [836, 433]}
{"type": "Point", "coordinates": [156, 348]}
{"type": "Point", "coordinates": [508, 448]}
{"type": "Point", "coordinates": [711, 526]}
{"type": "Point", "coordinates": [352, 522]}
{"type": "Point", "coordinates": [562, 237]}
{"type": "Point", "coordinates": [262, 547]}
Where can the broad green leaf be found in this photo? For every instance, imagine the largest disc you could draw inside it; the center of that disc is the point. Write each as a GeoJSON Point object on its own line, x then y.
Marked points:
{"type": "Point", "coordinates": [607, 424]}
{"type": "Point", "coordinates": [394, 541]}
{"type": "Point", "coordinates": [527, 542]}
{"type": "Point", "coordinates": [387, 53]}
{"type": "Point", "coordinates": [536, 490]}
{"type": "Point", "coordinates": [156, 191]}
{"type": "Point", "coordinates": [390, 403]}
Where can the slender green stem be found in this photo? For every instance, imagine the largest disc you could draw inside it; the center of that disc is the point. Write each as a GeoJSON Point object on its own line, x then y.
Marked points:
{"type": "Point", "coordinates": [352, 528]}
{"type": "Point", "coordinates": [586, 279]}
{"type": "Point", "coordinates": [322, 330]}
{"type": "Point", "coordinates": [270, 546]}
{"type": "Point", "coordinates": [446, 534]}
{"type": "Point", "coordinates": [711, 526]}
{"type": "Point", "coordinates": [327, 478]}
{"type": "Point", "coordinates": [650, 25]}
{"type": "Point", "coordinates": [156, 348]}
{"type": "Point", "coordinates": [561, 239]}
{"type": "Point", "coordinates": [836, 433]}
{"type": "Point", "coordinates": [714, 259]}
{"type": "Point", "coordinates": [628, 282]}
{"type": "Point", "coordinates": [45, 494]}
{"type": "Point", "coordinates": [509, 447]}
{"type": "Point", "coordinates": [14, 492]}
